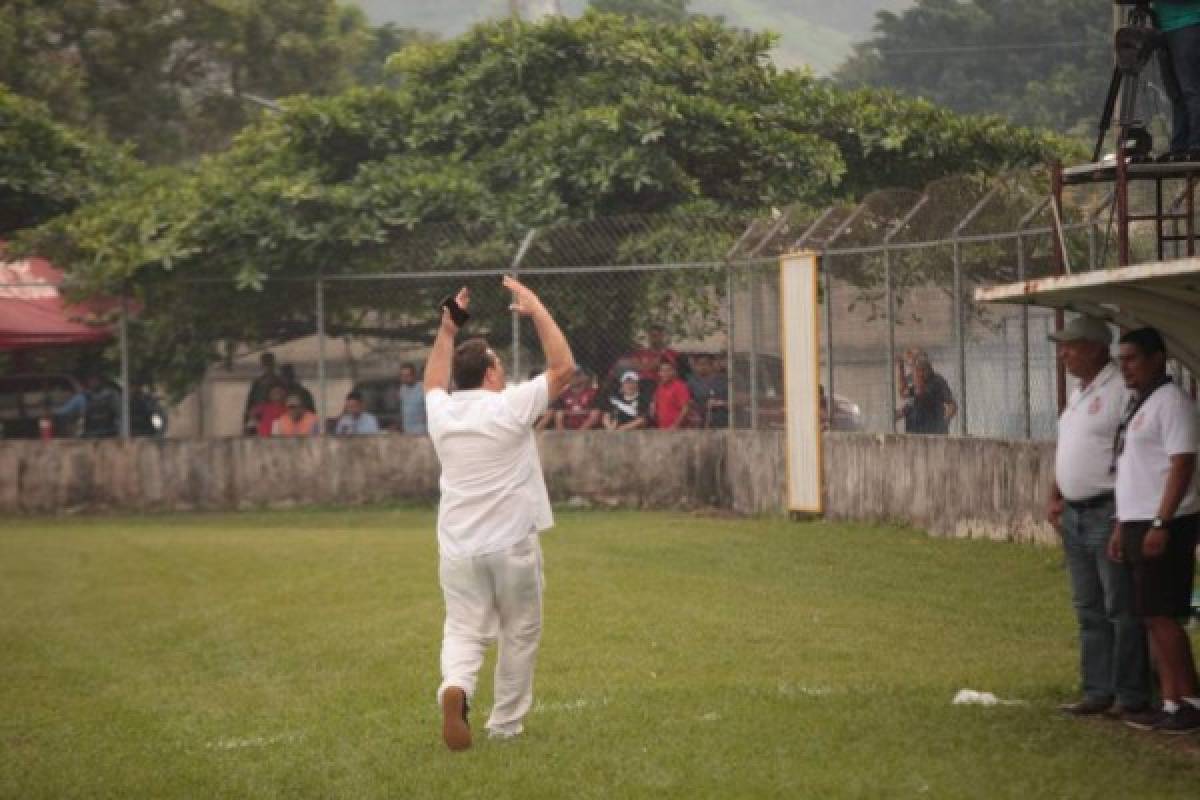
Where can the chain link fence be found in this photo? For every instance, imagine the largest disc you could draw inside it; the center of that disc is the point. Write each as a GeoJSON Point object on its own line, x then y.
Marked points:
{"type": "Point", "coordinates": [898, 274]}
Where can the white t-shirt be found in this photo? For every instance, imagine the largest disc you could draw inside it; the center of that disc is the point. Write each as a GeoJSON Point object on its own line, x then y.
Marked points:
{"type": "Point", "coordinates": [1083, 459]}
{"type": "Point", "coordinates": [493, 492]}
{"type": "Point", "coordinates": [1164, 426]}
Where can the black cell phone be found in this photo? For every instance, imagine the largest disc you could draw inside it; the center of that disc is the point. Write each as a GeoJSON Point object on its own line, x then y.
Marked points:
{"type": "Point", "coordinates": [457, 313]}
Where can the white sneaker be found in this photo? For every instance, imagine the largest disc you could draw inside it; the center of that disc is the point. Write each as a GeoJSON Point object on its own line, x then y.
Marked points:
{"type": "Point", "coordinates": [504, 735]}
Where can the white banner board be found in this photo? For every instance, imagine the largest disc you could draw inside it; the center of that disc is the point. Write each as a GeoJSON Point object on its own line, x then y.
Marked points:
{"type": "Point", "coordinates": [800, 320]}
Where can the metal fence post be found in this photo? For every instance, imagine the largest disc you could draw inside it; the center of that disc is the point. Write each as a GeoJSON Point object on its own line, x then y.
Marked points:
{"type": "Point", "coordinates": [126, 388]}
{"type": "Point", "coordinates": [1026, 398]}
{"type": "Point", "coordinates": [1091, 240]}
{"type": "Point", "coordinates": [522, 249]}
{"type": "Point", "coordinates": [959, 338]}
{"type": "Point", "coordinates": [730, 372]}
{"type": "Point", "coordinates": [890, 301]}
{"type": "Point", "coordinates": [826, 266]}
{"type": "Point", "coordinates": [755, 318]}
{"type": "Point", "coordinates": [321, 354]}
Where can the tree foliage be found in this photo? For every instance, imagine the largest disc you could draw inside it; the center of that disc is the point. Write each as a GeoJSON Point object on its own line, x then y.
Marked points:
{"type": "Point", "coordinates": [507, 127]}
{"type": "Point", "coordinates": [657, 10]}
{"type": "Point", "coordinates": [46, 168]}
{"type": "Point", "coordinates": [172, 76]}
{"type": "Point", "coordinates": [1036, 63]}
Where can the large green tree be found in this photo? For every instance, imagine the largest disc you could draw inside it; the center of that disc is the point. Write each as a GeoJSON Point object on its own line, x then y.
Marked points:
{"type": "Point", "coordinates": [506, 127]}
{"type": "Point", "coordinates": [176, 77]}
{"type": "Point", "coordinates": [1036, 63]}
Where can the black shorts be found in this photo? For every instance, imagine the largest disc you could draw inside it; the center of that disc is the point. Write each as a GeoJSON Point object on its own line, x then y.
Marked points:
{"type": "Point", "coordinates": [1162, 587]}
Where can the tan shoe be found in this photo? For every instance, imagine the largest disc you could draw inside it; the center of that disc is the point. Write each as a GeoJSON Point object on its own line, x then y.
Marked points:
{"type": "Point", "coordinates": [456, 731]}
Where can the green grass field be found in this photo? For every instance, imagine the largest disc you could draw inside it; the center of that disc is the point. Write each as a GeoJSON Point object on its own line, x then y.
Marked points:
{"type": "Point", "coordinates": [295, 655]}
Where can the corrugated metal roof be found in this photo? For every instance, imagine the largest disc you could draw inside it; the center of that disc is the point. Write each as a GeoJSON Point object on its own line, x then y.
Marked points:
{"type": "Point", "coordinates": [1165, 295]}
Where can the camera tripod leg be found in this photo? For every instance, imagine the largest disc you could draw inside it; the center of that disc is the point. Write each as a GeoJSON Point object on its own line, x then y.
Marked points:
{"type": "Point", "coordinates": [1110, 104]}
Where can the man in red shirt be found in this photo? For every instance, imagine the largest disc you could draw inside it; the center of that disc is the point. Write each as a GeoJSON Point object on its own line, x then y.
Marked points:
{"type": "Point", "coordinates": [646, 359]}
{"type": "Point", "coordinates": [576, 407]}
{"type": "Point", "coordinates": [672, 398]}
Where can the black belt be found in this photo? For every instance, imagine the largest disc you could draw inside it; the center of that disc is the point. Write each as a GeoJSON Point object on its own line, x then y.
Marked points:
{"type": "Point", "coordinates": [1092, 502]}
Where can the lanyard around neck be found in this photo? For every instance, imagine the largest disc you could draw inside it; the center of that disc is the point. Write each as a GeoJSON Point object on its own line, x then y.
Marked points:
{"type": "Point", "coordinates": [1135, 404]}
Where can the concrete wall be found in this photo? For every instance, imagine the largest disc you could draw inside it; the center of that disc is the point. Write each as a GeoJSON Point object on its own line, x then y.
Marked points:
{"type": "Point", "coordinates": [949, 486]}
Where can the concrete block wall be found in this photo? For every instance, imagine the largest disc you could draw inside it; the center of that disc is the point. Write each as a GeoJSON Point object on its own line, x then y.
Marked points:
{"type": "Point", "coordinates": [948, 486]}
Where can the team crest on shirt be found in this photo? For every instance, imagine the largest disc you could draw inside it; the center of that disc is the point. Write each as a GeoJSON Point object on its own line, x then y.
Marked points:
{"type": "Point", "coordinates": [1094, 406]}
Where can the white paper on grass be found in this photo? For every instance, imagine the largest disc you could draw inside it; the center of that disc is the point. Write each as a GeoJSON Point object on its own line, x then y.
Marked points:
{"type": "Point", "coordinates": [970, 697]}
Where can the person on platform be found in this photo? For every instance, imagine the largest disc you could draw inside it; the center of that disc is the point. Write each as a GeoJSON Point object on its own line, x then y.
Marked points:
{"type": "Point", "coordinates": [1179, 63]}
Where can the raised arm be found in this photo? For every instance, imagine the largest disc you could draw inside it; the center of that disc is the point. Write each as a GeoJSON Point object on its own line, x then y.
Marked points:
{"type": "Point", "coordinates": [560, 364]}
{"type": "Point", "coordinates": [437, 366]}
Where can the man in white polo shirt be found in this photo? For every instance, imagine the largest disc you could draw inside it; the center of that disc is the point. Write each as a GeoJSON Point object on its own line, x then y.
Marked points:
{"type": "Point", "coordinates": [493, 506]}
{"type": "Point", "coordinates": [1158, 509]}
{"type": "Point", "coordinates": [1113, 663]}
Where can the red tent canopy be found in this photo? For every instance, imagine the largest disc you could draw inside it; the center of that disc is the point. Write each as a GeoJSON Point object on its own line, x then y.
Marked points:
{"type": "Point", "coordinates": [34, 314]}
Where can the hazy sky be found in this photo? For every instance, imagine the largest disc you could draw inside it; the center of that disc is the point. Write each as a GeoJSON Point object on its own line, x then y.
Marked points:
{"type": "Point", "coordinates": [818, 33]}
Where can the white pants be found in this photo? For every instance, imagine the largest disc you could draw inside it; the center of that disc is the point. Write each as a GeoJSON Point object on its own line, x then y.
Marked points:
{"type": "Point", "coordinates": [498, 595]}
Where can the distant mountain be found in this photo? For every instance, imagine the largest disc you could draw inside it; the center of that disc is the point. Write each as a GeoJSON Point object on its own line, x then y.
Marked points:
{"type": "Point", "coordinates": [818, 33]}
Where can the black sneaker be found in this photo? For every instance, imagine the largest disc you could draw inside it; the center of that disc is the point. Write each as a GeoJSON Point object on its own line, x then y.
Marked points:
{"type": "Point", "coordinates": [1087, 707]}
{"type": "Point", "coordinates": [1185, 720]}
{"type": "Point", "coordinates": [1146, 720]}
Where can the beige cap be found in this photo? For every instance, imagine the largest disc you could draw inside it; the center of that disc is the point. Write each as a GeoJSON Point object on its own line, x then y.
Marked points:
{"type": "Point", "coordinates": [1084, 329]}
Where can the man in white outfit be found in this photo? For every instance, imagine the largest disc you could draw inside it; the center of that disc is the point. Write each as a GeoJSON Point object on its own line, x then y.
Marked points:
{"type": "Point", "coordinates": [493, 506]}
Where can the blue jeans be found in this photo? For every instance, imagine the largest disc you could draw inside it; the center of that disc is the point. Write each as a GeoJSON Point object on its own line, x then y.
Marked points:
{"type": "Point", "coordinates": [1180, 67]}
{"type": "Point", "coordinates": [1113, 661]}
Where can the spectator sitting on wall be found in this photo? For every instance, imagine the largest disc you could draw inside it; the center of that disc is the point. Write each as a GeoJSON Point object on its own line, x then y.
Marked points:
{"type": "Point", "coordinates": [932, 405]}
{"type": "Point", "coordinates": [292, 386]}
{"type": "Point", "coordinates": [710, 394]}
{"type": "Point", "coordinates": [646, 359]}
{"type": "Point", "coordinates": [671, 399]}
{"type": "Point", "coordinates": [355, 421]}
{"type": "Point", "coordinates": [98, 405]}
{"type": "Point", "coordinates": [264, 414]}
{"type": "Point", "coordinates": [260, 388]}
{"type": "Point", "coordinates": [298, 421]}
{"type": "Point", "coordinates": [628, 407]}
{"type": "Point", "coordinates": [411, 397]}
{"type": "Point", "coordinates": [575, 409]}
